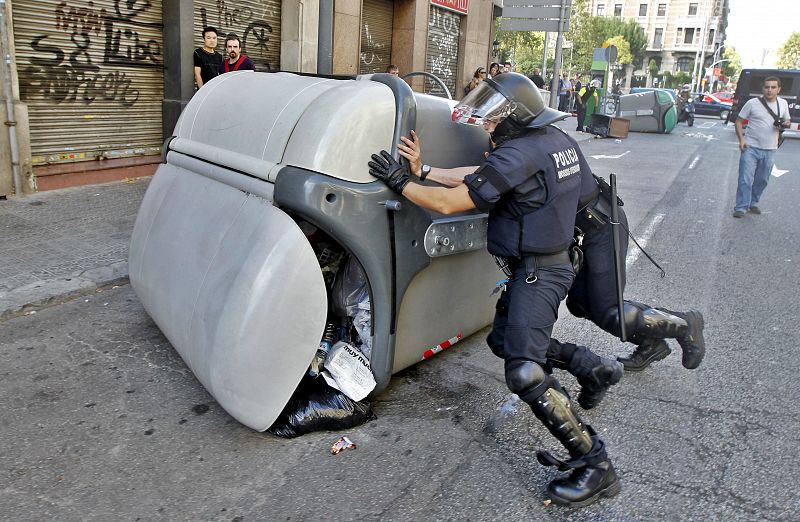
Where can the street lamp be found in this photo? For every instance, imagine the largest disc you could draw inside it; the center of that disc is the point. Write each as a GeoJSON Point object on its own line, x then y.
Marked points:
{"type": "Point", "coordinates": [496, 48]}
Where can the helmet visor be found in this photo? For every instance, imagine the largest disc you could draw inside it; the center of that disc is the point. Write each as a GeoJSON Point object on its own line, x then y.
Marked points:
{"type": "Point", "coordinates": [482, 104]}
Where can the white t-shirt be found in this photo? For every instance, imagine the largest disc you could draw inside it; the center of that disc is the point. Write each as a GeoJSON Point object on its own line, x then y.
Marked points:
{"type": "Point", "coordinates": [761, 131]}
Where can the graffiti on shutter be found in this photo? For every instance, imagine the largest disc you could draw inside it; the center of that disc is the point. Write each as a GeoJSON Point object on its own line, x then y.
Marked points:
{"type": "Point", "coordinates": [257, 23]}
{"type": "Point", "coordinates": [376, 36]}
{"type": "Point", "coordinates": [442, 53]}
{"type": "Point", "coordinates": [91, 73]}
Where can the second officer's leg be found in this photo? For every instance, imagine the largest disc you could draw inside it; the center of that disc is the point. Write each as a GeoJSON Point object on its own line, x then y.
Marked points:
{"type": "Point", "coordinates": [531, 313]}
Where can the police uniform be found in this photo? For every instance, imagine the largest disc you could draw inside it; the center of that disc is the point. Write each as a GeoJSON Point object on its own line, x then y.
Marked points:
{"type": "Point", "coordinates": [530, 185]}
{"type": "Point", "coordinates": [594, 293]}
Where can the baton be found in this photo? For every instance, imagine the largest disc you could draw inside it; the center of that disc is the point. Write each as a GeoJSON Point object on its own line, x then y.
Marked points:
{"type": "Point", "coordinates": [617, 264]}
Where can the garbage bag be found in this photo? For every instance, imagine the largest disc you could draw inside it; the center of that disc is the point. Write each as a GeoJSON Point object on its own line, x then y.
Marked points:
{"type": "Point", "coordinates": [315, 406]}
{"type": "Point", "coordinates": [350, 290]}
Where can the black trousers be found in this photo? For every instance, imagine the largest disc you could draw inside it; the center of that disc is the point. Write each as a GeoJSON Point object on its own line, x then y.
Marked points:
{"type": "Point", "coordinates": [526, 312]}
{"type": "Point", "coordinates": [595, 288]}
{"type": "Point", "coordinates": [581, 110]}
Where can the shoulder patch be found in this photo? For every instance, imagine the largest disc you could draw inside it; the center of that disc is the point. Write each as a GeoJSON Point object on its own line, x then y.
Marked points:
{"type": "Point", "coordinates": [566, 163]}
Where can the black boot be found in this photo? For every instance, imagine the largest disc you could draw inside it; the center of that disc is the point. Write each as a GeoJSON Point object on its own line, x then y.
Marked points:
{"type": "Point", "coordinates": [692, 342]}
{"type": "Point", "coordinates": [593, 475]}
{"type": "Point", "coordinates": [600, 479]}
{"type": "Point", "coordinates": [596, 383]}
{"type": "Point", "coordinates": [595, 374]}
{"type": "Point", "coordinates": [648, 352]}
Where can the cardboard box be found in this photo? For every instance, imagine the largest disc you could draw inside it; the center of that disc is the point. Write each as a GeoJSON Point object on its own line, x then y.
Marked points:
{"type": "Point", "coordinates": [608, 127]}
{"type": "Point", "coordinates": [618, 128]}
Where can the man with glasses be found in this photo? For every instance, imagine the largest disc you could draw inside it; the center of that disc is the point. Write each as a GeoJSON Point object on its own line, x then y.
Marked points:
{"type": "Point", "coordinates": [767, 116]}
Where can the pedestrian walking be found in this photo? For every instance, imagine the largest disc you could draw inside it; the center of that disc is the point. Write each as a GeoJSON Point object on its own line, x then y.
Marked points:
{"type": "Point", "coordinates": [766, 117]}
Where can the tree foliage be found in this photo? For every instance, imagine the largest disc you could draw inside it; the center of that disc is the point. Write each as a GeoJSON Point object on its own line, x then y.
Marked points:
{"type": "Point", "coordinates": [789, 53]}
{"type": "Point", "coordinates": [524, 48]}
{"type": "Point", "coordinates": [587, 32]}
{"type": "Point", "coordinates": [624, 56]}
{"type": "Point", "coordinates": [733, 66]}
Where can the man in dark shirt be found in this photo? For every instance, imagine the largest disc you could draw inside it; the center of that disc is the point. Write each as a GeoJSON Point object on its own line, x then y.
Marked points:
{"type": "Point", "coordinates": [207, 61]}
{"type": "Point", "coordinates": [537, 79]}
{"type": "Point", "coordinates": [236, 60]}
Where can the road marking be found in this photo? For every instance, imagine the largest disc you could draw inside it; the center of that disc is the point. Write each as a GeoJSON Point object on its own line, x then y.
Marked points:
{"type": "Point", "coordinates": [778, 172]}
{"type": "Point", "coordinates": [707, 137]}
{"type": "Point", "coordinates": [635, 252]}
{"type": "Point", "coordinates": [694, 162]}
{"type": "Point", "coordinates": [603, 156]}
{"type": "Point", "coordinates": [707, 125]}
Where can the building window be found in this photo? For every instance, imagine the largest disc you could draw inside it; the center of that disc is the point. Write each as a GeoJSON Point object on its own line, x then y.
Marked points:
{"type": "Point", "coordinates": [679, 35]}
{"type": "Point", "coordinates": [710, 36]}
{"type": "Point", "coordinates": [642, 9]}
{"type": "Point", "coordinates": [683, 64]}
{"type": "Point", "coordinates": [692, 9]}
{"type": "Point", "coordinates": [617, 9]}
{"type": "Point", "coordinates": [601, 9]}
{"type": "Point", "coordinates": [662, 10]}
{"type": "Point", "coordinates": [658, 39]}
{"type": "Point", "coordinates": [688, 36]}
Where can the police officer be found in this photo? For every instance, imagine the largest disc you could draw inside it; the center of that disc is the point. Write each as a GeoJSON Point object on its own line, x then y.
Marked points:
{"type": "Point", "coordinates": [594, 294]}
{"type": "Point", "coordinates": [530, 184]}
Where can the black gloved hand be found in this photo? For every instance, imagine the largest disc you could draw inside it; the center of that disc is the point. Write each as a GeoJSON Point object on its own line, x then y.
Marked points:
{"type": "Point", "coordinates": [389, 170]}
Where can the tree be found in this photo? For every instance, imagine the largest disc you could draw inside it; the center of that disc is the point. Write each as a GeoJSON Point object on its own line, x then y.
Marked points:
{"type": "Point", "coordinates": [587, 32]}
{"type": "Point", "coordinates": [623, 49]}
{"type": "Point", "coordinates": [733, 66]}
{"type": "Point", "coordinates": [789, 53]}
{"type": "Point", "coordinates": [525, 48]}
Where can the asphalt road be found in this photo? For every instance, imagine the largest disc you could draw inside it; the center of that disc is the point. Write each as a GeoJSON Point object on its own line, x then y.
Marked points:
{"type": "Point", "coordinates": [101, 420]}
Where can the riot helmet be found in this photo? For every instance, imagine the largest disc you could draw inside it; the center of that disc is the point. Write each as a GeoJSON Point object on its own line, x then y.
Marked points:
{"type": "Point", "coordinates": [511, 100]}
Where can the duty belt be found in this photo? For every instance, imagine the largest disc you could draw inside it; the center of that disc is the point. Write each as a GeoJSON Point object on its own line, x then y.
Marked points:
{"type": "Point", "coordinates": [534, 262]}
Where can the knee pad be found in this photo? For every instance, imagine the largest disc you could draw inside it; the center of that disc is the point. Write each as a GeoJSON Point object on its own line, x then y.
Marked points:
{"type": "Point", "coordinates": [632, 315]}
{"type": "Point", "coordinates": [527, 379]}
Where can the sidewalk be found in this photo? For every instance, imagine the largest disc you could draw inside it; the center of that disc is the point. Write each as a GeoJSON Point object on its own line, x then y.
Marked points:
{"type": "Point", "coordinates": [60, 244]}
{"type": "Point", "coordinates": [63, 243]}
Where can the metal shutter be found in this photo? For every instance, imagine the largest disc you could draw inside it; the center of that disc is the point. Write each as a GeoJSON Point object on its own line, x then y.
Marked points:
{"type": "Point", "coordinates": [92, 76]}
{"type": "Point", "coordinates": [257, 23]}
{"type": "Point", "coordinates": [376, 36]}
{"type": "Point", "coordinates": [441, 58]}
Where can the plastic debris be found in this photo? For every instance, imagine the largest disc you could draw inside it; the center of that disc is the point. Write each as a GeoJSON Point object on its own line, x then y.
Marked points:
{"type": "Point", "coordinates": [342, 444]}
{"type": "Point", "coordinates": [347, 370]}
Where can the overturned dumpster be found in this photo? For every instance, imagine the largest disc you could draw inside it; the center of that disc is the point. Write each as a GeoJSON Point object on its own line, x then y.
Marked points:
{"type": "Point", "coordinates": [264, 196]}
{"type": "Point", "coordinates": [650, 111]}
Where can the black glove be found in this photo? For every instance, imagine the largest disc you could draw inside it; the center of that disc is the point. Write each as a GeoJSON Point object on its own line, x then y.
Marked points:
{"type": "Point", "coordinates": [389, 170]}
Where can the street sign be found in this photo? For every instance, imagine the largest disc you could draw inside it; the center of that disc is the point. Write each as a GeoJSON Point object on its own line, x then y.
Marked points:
{"type": "Point", "coordinates": [532, 12]}
{"type": "Point", "coordinates": [533, 24]}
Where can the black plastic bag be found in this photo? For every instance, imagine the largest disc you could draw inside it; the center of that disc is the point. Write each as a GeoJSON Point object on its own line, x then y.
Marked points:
{"type": "Point", "coordinates": [315, 406]}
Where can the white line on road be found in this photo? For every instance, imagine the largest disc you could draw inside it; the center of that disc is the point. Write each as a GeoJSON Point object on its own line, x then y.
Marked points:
{"type": "Point", "coordinates": [707, 125]}
{"type": "Point", "coordinates": [603, 156]}
{"type": "Point", "coordinates": [633, 251]}
{"type": "Point", "coordinates": [694, 162]}
{"type": "Point", "coordinates": [778, 172]}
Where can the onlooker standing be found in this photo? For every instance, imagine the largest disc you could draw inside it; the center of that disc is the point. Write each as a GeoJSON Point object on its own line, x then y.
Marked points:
{"type": "Point", "coordinates": [577, 85]}
{"type": "Point", "coordinates": [477, 77]}
{"type": "Point", "coordinates": [507, 67]}
{"type": "Point", "coordinates": [564, 93]}
{"type": "Point", "coordinates": [494, 69]}
{"type": "Point", "coordinates": [207, 61]}
{"type": "Point", "coordinates": [393, 70]}
{"type": "Point", "coordinates": [236, 60]}
{"type": "Point", "coordinates": [766, 116]}
{"type": "Point", "coordinates": [588, 99]}
{"type": "Point", "coordinates": [537, 79]}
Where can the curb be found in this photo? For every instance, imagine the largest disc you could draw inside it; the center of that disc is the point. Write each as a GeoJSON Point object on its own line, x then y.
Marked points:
{"type": "Point", "coordinates": [43, 294]}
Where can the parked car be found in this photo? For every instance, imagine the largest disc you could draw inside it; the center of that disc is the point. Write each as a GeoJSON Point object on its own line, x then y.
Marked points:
{"type": "Point", "coordinates": [725, 96]}
{"type": "Point", "coordinates": [710, 105]}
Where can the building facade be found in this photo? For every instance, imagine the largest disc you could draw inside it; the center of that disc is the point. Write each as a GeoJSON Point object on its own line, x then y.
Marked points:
{"type": "Point", "coordinates": [97, 85]}
{"type": "Point", "coordinates": [680, 33]}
